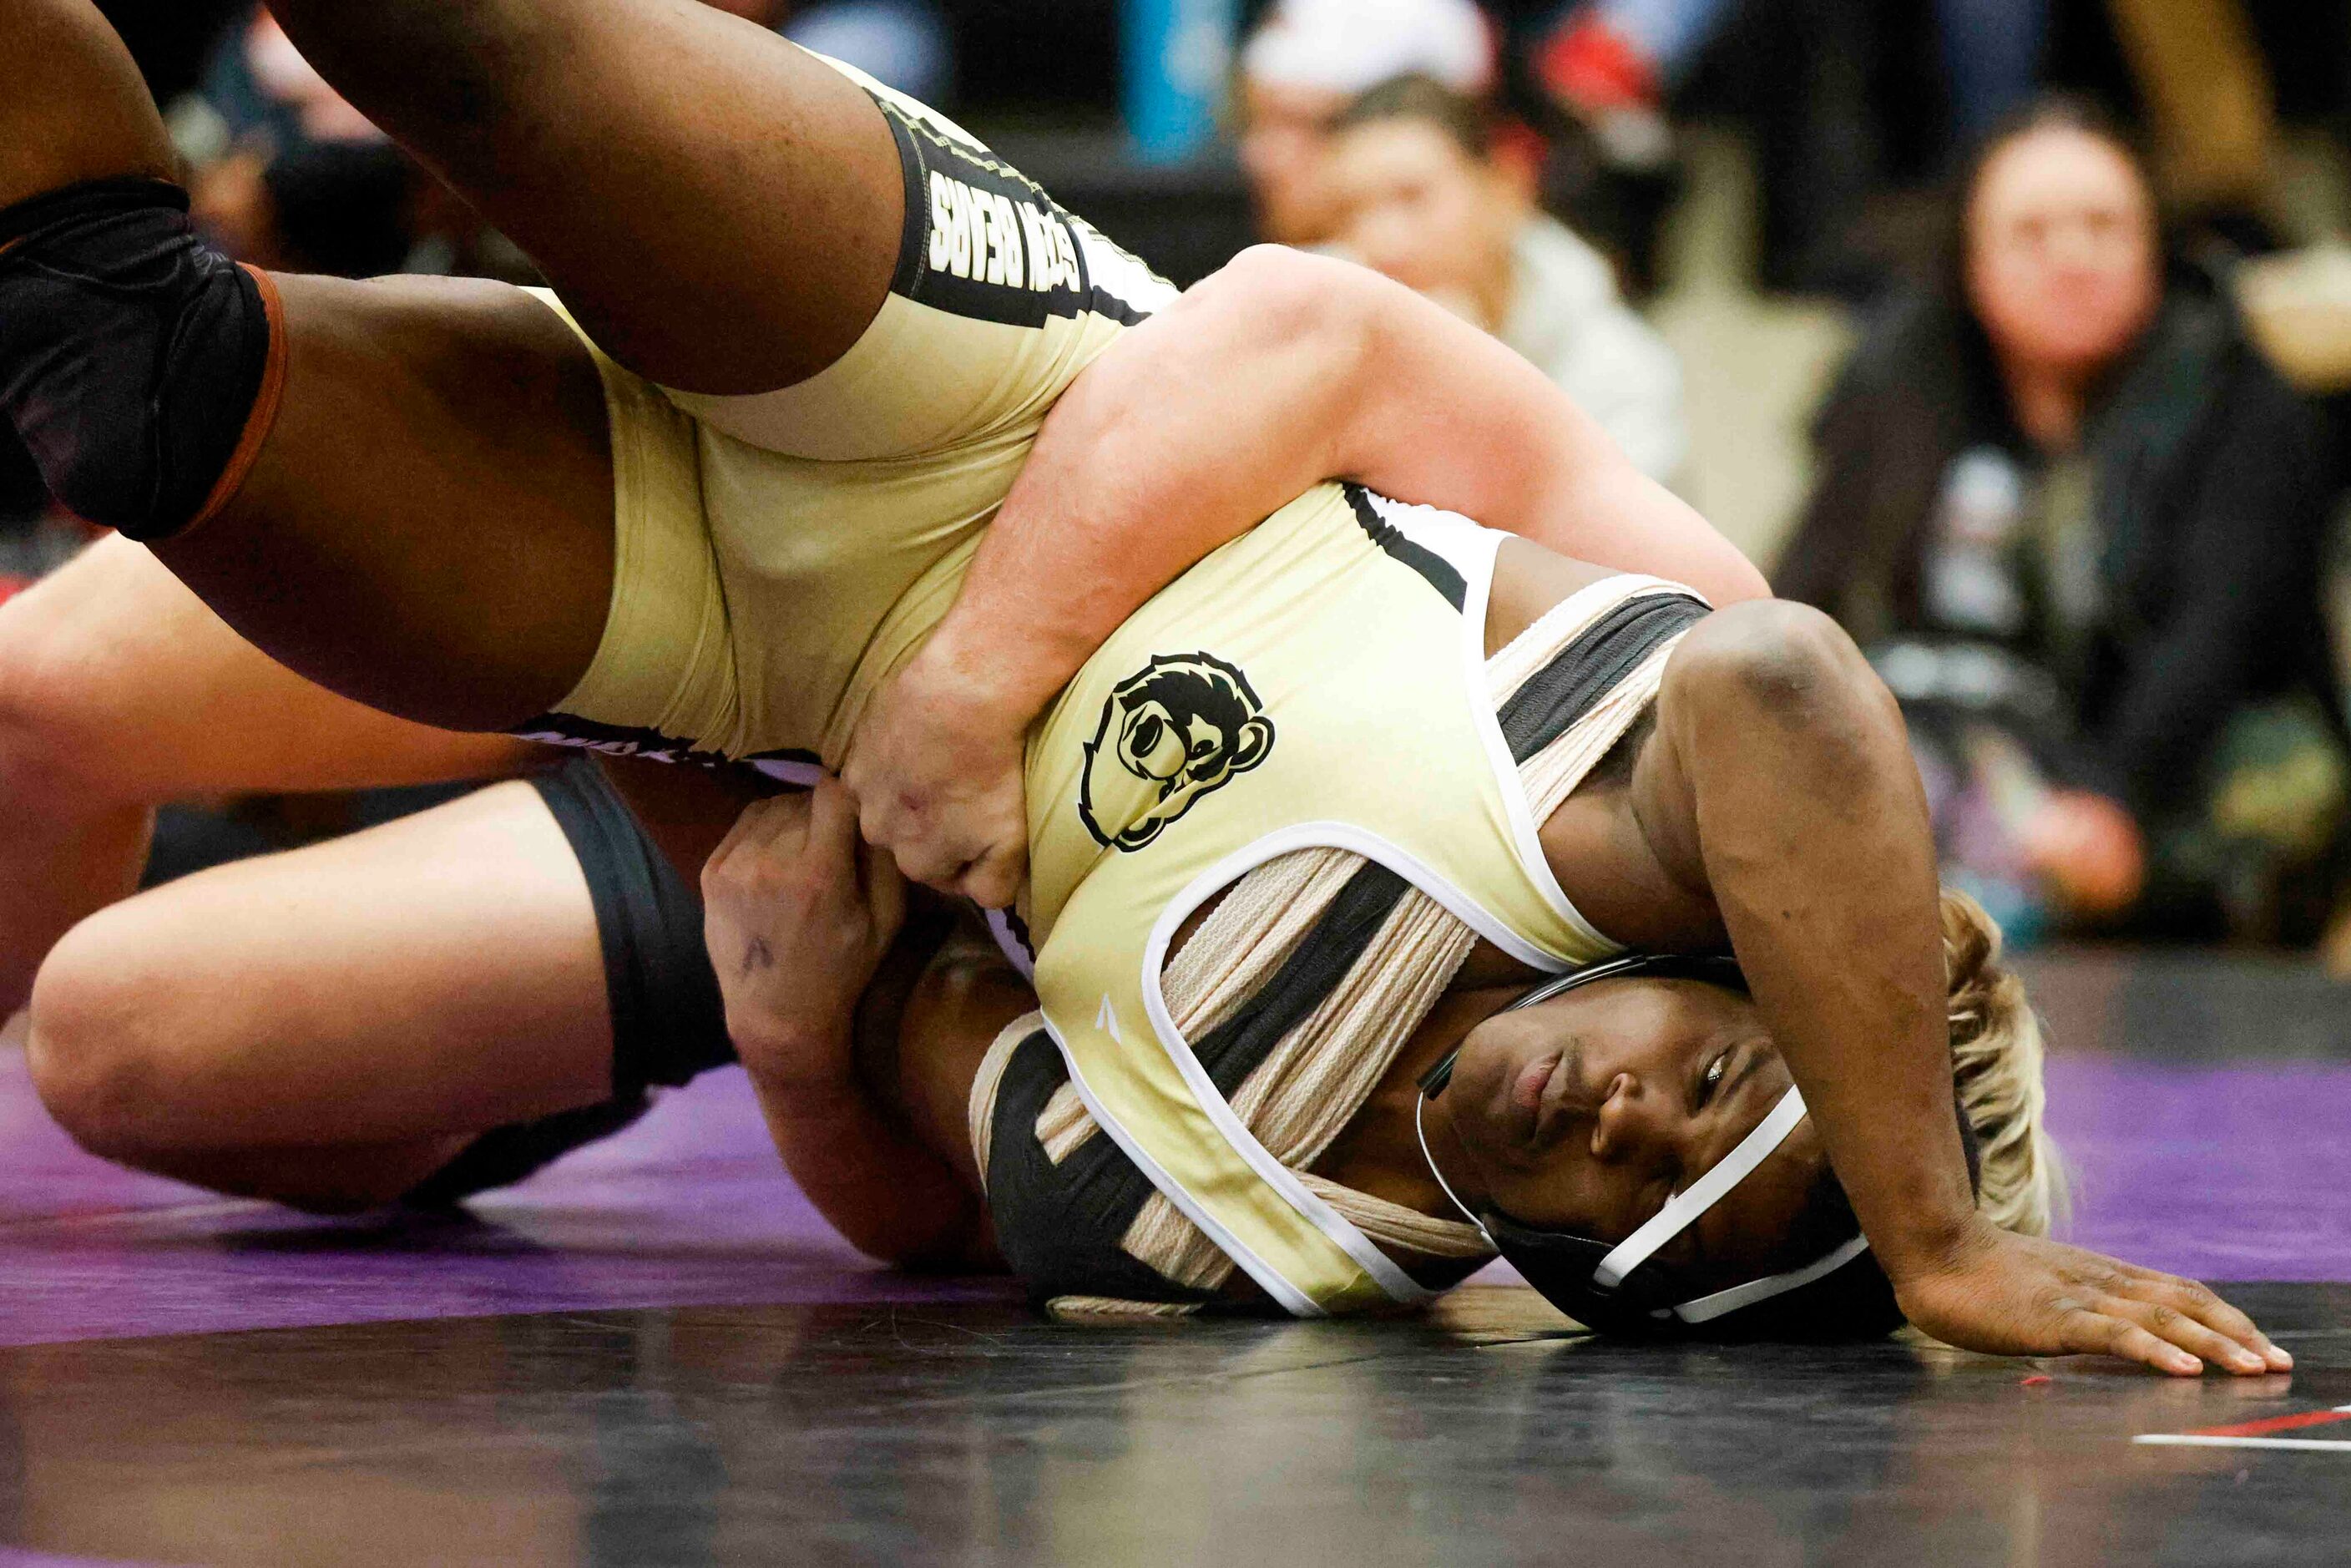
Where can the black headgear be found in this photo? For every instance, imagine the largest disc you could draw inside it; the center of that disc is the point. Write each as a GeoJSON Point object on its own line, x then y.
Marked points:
{"type": "Point", "coordinates": [1621, 1290]}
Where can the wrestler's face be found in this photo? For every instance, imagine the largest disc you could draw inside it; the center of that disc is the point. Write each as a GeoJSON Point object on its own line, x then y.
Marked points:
{"type": "Point", "coordinates": [1585, 1112]}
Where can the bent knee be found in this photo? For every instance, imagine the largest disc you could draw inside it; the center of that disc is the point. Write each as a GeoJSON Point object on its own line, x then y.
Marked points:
{"type": "Point", "coordinates": [95, 1047]}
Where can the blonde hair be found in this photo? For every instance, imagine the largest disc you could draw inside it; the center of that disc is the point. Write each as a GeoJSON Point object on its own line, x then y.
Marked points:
{"type": "Point", "coordinates": [1996, 1064]}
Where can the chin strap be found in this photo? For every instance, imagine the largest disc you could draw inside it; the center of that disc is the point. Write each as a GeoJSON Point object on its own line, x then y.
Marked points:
{"type": "Point", "coordinates": [1420, 1131]}
{"type": "Point", "coordinates": [1682, 1210]}
{"type": "Point", "coordinates": [1707, 1307]}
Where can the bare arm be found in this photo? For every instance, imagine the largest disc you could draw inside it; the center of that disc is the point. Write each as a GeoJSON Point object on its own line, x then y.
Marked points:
{"type": "Point", "coordinates": [1783, 789]}
{"type": "Point", "coordinates": [797, 919]}
{"type": "Point", "coordinates": [1281, 371]}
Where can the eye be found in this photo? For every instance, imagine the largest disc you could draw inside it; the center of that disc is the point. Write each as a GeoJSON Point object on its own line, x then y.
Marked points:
{"type": "Point", "coordinates": [1711, 1079]}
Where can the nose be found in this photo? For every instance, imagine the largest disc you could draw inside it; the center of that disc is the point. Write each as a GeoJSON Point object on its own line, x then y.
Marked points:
{"type": "Point", "coordinates": [1632, 1122]}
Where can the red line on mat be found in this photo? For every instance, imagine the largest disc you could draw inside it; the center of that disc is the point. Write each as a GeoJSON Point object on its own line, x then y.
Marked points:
{"type": "Point", "coordinates": [2274, 1424]}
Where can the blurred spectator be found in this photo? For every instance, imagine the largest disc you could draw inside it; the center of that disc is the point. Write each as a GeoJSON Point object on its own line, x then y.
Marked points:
{"type": "Point", "coordinates": [1308, 61]}
{"type": "Point", "coordinates": [1611, 62]}
{"type": "Point", "coordinates": [1424, 191]}
{"type": "Point", "coordinates": [1845, 100]}
{"type": "Point", "coordinates": [2076, 519]}
{"type": "Point", "coordinates": [286, 173]}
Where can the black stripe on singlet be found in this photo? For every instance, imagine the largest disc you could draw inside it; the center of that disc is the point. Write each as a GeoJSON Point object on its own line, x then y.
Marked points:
{"type": "Point", "coordinates": [1435, 568]}
{"type": "Point", "coordinates": [1060, 1226]}
{"type": "Point", "coordinates": [1589, 668]}
{"type": "Point", "coordinates": [1002, 224]}
{"type": "Point", "coordinates": [1539, 713]}
{"type": "Point", "coordinates": [1235, 1048]}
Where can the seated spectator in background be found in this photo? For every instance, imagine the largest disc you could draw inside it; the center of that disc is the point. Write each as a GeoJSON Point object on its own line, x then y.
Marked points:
{"type": "Point", "coordinates": [1841, 116]}
{"type": "Point", "coordinates": [1425, 191]}
{"type": "Point", "coordinates": [1308, 61]}
{"type": "Point", "coordinates": [2077, 520]}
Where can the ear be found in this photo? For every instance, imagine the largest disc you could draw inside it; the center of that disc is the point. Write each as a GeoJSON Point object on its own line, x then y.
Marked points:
{"type": "Point", "coordinates": [1251, 746]}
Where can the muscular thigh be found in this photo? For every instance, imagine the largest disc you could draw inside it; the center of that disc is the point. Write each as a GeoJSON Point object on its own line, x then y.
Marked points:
{"type": "Point", "coordinates": [439, 975]}
{"type": "Point", "coordinates": [428, 526]}
{"type": "Point", "coordinates": [720, 209]}
{"type": "Point", "coordinates": [147, 696]}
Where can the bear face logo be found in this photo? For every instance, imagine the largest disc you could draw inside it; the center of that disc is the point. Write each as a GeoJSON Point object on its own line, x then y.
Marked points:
{"type": "Point", "coordinates": [1180, 728]}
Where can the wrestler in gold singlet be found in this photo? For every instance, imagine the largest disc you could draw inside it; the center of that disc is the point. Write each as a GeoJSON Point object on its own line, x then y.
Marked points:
{"type": "Point", "coordinates": [1318, 682]}
{"type": "Point", "coordinates": [779, 555]}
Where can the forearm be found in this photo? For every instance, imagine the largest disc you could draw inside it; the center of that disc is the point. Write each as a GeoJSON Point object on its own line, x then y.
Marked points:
{"type": "Point", "coordinates": [1283, 371]}
{"type": "Point", "coordinates": [1156, 455]}
{"type": "Point", "coordinates": [887, 1194]}
{"type": "Point", "coordinates": [1811, 833]}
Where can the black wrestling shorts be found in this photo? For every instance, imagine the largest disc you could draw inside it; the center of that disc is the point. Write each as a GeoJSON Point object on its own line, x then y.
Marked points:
{"type": "Point", "coordinates": [669, 1022]}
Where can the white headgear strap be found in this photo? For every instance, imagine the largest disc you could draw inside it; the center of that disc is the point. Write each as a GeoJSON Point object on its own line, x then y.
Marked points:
{"type": "Point", "coordinates": [1682, 1210]}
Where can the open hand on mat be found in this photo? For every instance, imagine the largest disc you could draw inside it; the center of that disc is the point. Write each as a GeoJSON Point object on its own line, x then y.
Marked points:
{"type": "Point", "coordinates": [2024, 1295]}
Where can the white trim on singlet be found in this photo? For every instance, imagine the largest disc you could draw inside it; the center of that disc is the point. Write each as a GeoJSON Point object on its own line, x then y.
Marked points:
{"type": "Point", "coordinates": [1383, 1271]}
{"type": "Point", "coordinates": [1474, 552]}
{"type": "Point", "coordinates": [1623, 587]}
{"type": "Point", "coordinates": [1275, 1283]}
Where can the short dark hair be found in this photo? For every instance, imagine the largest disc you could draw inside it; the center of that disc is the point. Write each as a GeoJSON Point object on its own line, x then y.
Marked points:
{"type": "Point", "coordinates": [1465, 121]}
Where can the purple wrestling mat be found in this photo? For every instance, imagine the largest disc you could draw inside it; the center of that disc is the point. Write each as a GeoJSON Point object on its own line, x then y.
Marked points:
{"type": "Point", "coordinates": [689, 1206]}
{"type": "Point", "coordinates": [2221, 1169]}
{"type": "Point", "coordinates": [654, 1353]}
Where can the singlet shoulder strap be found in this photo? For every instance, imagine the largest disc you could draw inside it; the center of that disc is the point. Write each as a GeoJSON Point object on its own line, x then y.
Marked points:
{"type": "Point", "coordinates": [1592, 664]}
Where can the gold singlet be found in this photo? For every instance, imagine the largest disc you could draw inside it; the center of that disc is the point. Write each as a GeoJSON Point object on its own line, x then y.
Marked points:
{"type": "Point", "coordinates": [1321, 682]}
{"type": "Point", "coordinates": [779, 556]}
{"type": "Point", "coordinates": [1317, 682]}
